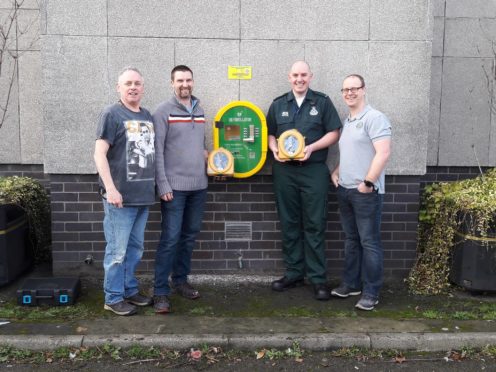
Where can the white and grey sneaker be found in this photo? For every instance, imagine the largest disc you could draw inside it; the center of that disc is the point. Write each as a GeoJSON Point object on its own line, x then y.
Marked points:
{"type": "Point", "coordinates": [367, 303]}
{"type": "Point", "coordinates": [121, 308]}
{"type": "Point", "coordinates": [344, 291]}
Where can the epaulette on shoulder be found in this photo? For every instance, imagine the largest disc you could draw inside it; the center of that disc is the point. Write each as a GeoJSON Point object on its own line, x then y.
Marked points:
{"type": "Point", "coordinates": [320, 94]}
{"type": "Point", "coordinates": [281, 96]}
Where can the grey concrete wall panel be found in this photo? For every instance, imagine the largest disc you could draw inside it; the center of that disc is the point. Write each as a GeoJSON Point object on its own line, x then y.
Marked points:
{"type": "Point", "coordinates": [438, 7]}
{"type": "Point", "coordinates": [26, 4]}
{"type": "Point", "coordinates": [304, 20]}
{"type": "Point", "coordinates": [469, 37]}
{"type": "Point", "coordinates": [153, 57]}
{"type": "Point", "coordinates": [5, 17]}
{"type": "Point", "coordinates": [398, 85]}
{"type": "Point", "coordinates": [10, 151]}
{"type": "Point", "coordinates": [438, 37]}
{"type": "Point", "coordinates": [88, 17]}
{"type": "Point", "coordinates": [31, 123]}
{"type": "Point", "coordinates": [465, 113]}
{"type": "Point", "coordinates": [6, 4]}
{"type": "Point", "coordinates": [175, 18]}
{"type": "Point", "coordinates": [76, 66]}
{"type": "Point", "coordinates": [43, 17]}
{"type": "Point", "coordinates": [434, 111]}
{"type": "Point", "coordinates": [209, 60]}
{"type": "Point", "coordinates": [492, 144]}
{"type": "Point", "coordinates": [271, 61]}
{"type": "Point", "coordinates": [471, 8]}
{"type": "Point", "coordinates": [400, 20]}
{"type": "Point", "coordinates": [28, 23]}
{"type": "Point", "coordinates": [331, 62]}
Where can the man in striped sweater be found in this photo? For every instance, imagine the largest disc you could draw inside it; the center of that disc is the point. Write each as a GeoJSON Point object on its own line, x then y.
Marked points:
{"type": "Point", "coordinates": [181, 180]}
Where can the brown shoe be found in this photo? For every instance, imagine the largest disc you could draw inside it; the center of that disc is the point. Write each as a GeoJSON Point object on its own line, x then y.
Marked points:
{"type": "Point", "coordinates": [187, 291]}
{"type": "Point", "coordinates": [161, 304]}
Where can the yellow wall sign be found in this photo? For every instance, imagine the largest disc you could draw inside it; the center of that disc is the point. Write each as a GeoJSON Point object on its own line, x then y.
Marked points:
{"type": "Point", "coordinates": [239, 72]}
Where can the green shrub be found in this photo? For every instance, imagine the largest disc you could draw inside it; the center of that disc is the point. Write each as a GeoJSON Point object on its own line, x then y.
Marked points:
{"type": "Point", "coordinates": [32, 197]}
{"type": "Point", "coordinates": [444, 209]}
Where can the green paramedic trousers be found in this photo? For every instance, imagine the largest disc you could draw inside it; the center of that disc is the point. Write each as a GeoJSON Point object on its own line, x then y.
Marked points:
{"type": "Point", "coordinates": [301, 199]}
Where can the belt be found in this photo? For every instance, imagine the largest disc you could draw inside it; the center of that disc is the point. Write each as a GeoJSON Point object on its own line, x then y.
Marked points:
{"type": "Point", "coordinates": [296, 163]}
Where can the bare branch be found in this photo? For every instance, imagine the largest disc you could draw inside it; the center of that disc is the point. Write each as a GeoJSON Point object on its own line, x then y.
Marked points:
{"type": "Point", "coordinates": [10, 32]}
{"type": "Point", "coordinates": [3, 110]}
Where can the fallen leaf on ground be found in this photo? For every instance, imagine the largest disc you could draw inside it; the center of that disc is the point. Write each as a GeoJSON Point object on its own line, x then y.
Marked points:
{"type": "Point", "coordinates": [399, 359]}
{"type": "Point", "coordinates": [261, 354]}
{"type": "Point", "coordinates": [456, 356]}
{"type": "Point", "coordinates": [195, 354]}
{"type": "Point", "coordinates": [81, 329]}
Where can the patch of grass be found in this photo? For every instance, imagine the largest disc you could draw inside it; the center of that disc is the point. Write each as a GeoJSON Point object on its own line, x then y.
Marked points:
{"type": "Point", "coordinates": [464, 315]}
{"type": "Point", "coordinates": [296, 311]}
{"type": "Point", "coordinates": [113, 351]}
{"type": "Point", "coordinates": [8, 353]}
{"type": "Point", "coordinates": [432, 314]}
{"type": "Point", "coordinates": [61, 352]}
{"type": "Point", "coordinates": [489, 350]}
{"type": "Point", "coordinates": [202, 310]}
{"type": "Point", "coordinates": [489, 316]}
{"type": "Point", "coordinates": [234, 354]}
{"type": "Point", "coordinates": [89, 353]}
{"type": "Point", "coordinates": [347, 352]}
{"type": "Point", "coordinates": [45, 313]}
{"type": "Point", "coordinates": [294, 351]}
{"type": "Point", "coordinates": [139, 352]}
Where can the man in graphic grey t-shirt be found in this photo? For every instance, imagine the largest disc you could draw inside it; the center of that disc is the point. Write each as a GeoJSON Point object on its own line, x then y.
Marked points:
{"type": "Point", "coordinates": [364, 148]}
{"type": "Point", "coordinates": [124, 158]}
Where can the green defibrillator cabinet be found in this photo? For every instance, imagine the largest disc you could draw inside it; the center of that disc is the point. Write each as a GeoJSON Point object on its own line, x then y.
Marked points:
{"type": "Point", "coordinates": [240, 127]}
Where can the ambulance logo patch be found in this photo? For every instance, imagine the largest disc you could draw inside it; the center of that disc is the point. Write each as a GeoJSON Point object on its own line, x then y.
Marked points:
{"type": "Point", "coordinates": [284, 113]}
{"type": "Point", "coordinates": [313, 111]}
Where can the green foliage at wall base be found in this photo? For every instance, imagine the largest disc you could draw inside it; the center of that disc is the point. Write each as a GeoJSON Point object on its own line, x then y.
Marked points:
{"type": "Point", "coordinates": [446, 209]}
{"type": "Point", "coordinates": [32, 197]}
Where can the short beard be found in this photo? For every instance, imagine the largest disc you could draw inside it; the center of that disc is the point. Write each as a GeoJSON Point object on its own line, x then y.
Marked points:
{"type": "Point", "coordinates": [184, 92]}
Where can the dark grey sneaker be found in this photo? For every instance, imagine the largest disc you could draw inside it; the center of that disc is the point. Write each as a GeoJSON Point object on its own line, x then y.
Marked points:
{"type": "Point", "coordinates": [139, 300]}
{"type": "Point", "coordinates": [121, 308]}
{"type": "Point", "coordinates": [367, 303]}
{"type": "Point", "coordinates": [344, 291]}
{"type": "Point", "coordinates": [161, 304]}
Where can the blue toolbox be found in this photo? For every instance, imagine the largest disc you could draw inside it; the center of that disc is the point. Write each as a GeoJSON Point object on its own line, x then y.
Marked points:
{"type": "Point", "coordinates": [49, 291]}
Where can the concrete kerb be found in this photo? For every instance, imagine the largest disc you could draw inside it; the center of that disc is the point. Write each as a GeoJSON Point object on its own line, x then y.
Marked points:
{"type": "Point", "coordinates": [41, 342]}
{"type": "Point", "coordinates": [315, 342]}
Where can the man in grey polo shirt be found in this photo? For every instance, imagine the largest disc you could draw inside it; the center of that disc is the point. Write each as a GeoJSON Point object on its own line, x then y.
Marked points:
{"type": "Point", "coordinates": [365, 146]}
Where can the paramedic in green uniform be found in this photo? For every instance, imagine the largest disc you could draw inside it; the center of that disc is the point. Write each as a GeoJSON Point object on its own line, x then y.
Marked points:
{"type": "Point", "coordinates": [301, 186]}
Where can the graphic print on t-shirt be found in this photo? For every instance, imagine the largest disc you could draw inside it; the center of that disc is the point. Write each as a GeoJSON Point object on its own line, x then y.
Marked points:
{"type": "Point", "coordinates": [140, 150]}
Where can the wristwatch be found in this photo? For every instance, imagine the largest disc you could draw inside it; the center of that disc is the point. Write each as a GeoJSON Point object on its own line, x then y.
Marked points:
{"type": "Point", "coordinates": [369, 184]}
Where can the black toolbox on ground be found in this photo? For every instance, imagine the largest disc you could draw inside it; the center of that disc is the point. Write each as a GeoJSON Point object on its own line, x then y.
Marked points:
{"type": "Point", "coordinates": [49, 291]}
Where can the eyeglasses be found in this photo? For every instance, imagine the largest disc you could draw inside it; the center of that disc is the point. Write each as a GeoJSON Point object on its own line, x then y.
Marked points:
{"type": "Point", "coordinates": [350, 90]}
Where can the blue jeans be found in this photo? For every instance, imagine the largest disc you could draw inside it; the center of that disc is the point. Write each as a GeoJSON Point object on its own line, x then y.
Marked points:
{"type": "Point", "coordinates": [124, 230]}
{"type": "Point", "coordinates": [361, 219]}
{"type": "Point", "coordinates": [181, 223]}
